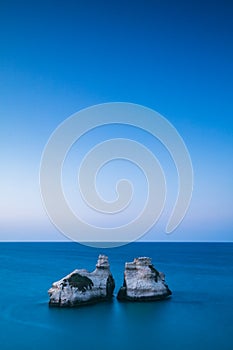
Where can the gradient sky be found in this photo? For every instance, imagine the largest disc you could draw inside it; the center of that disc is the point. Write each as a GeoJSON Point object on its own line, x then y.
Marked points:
{"type": "Point", "coordinates": [175, 57]}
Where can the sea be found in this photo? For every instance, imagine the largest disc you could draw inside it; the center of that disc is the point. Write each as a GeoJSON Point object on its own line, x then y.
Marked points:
{"type": "Point", "coordinates": [199, 315]}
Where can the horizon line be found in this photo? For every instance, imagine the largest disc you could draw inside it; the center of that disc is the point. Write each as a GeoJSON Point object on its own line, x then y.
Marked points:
{"type": "Point", "coordinates": [83, 243]}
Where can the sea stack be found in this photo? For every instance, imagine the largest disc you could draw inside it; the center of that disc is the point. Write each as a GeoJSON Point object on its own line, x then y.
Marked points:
{"type": "Point", "coordinates": [81, 287]}
{"type": "Point", "coordinates": [142, 282]}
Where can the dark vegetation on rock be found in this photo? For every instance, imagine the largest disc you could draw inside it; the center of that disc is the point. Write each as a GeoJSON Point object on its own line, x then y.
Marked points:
{"type": "Point", "coordinates": [78, 281]}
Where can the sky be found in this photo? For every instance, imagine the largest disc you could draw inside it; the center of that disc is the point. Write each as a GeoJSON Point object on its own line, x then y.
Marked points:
{"type": "Point", "coordinates": [58, 57]}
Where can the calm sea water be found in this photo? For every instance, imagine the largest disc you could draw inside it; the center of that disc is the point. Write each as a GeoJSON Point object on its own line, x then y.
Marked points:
{"type": "Point", "coordinates": [198, 316]}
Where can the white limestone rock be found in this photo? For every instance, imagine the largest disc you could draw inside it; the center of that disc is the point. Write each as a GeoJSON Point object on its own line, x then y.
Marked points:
{"type": "Point", "coordinates": [142, 282]}
{"type": "Point", "coordinates": [83, 287]}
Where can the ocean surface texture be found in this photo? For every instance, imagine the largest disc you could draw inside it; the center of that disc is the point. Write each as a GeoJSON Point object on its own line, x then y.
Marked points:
{"type": "Point", "coordinates": [198, 316]}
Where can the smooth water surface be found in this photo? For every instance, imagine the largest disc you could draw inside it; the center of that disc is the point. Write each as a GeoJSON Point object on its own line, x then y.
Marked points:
{"type": "Point", "coordinates": [198, 316]}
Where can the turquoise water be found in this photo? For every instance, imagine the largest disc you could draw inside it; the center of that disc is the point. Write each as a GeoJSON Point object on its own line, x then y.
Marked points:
{"type": "Point", "coordinates": [198, 316]}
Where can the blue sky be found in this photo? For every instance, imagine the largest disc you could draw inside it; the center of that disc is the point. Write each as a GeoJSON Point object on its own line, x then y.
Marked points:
{"type": "Point", "coordinates": [58, 57]}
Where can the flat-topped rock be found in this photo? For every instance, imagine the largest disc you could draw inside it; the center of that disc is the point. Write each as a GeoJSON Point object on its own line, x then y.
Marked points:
{"type": "Point", "coordinates": [83, 287]}
{"type": "Point", "coordinates": [142, 282]}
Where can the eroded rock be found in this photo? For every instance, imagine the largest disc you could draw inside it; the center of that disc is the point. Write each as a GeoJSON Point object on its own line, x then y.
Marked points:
{"type": "Point", "coordinates": [83, 287]}
{"type": "Point", "coordinates": [142, 282]}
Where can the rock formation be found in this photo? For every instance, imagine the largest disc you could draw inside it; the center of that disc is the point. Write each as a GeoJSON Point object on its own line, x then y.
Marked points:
{"type": "Point", "coordinates": [83, 287]}
{"type": "Point", "coordinates": [142, 282]}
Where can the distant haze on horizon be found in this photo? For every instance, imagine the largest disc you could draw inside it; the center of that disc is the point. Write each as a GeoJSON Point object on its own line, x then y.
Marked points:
{"type": "Point", "coordinates": [175, 57]}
